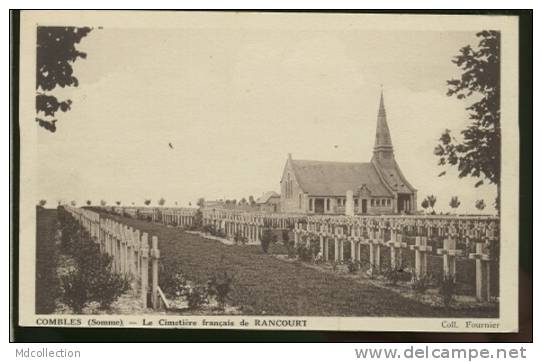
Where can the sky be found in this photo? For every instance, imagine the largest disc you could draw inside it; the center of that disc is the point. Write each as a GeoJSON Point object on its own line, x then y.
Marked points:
{"type": "Point", "coordinates": [234, 102]}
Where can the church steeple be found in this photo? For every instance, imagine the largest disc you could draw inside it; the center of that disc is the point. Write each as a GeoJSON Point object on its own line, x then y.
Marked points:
{"type": "Point", "coordinates": [383, 149]}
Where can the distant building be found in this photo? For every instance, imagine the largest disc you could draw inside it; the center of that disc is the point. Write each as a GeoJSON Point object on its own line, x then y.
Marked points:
{"type": "Point", "coordinates": [375, 187]}
{"type": "Point", "coordinates": [269, 202]}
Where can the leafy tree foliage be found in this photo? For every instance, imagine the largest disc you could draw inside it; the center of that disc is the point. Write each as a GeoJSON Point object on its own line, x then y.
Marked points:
{"type": "Point", "coordinates": [93, 278]}
{"type": "Point", "coordinates": [478, 154]}
{"type": "Point", "coordinates": [162, 201]}
{"type": "Point", "coordinates": [430, 201]}
{"type": "Point", "coordinates": [89, 202]}
{"type": "Point", "coordinates": [103, 202]}
{"type": "Point", "coordinates": [480, 204]}
{"type": "Point", "coordinates": [55, 53]}
{"type": "Point", "coordinates": [454, 202]}
{"type": "Point", "coordinates": [147, 202]}
{"type": "Point", "coordinates": [425, 204]}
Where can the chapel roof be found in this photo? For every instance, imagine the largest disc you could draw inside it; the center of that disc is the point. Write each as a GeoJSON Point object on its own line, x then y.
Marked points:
{"type": "Point", "coordinates": [328, 178]}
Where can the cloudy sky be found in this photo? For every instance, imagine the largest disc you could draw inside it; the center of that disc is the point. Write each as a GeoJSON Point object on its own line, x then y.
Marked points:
{"type": "Point", "coordinates": [234, 102]}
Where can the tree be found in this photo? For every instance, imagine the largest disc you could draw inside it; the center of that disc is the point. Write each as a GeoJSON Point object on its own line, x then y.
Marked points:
{"type": "Point", "coordinates": [454, 202]}
{"type": "Point", "coordinates": [103, 202]}
{"type": "Point", "coordinates": [147, 202]}
{"type": "Point", "coordinates": [42, 202]}
{"type": "Point", "coordinates": [425, 204]}
{"type": "Point", "coordinates": [89, 202]}
{"type": "Point", "coordinates": [118, 203]}
{"type": "Point", "coordinates": [431, 201]}
{"type": "Point", "coordinates": [480, 204]}
{"type": "Point", "coordinates": [55, 55]}
{"type": "Point", "coordinates": [478, 154]}
{"type": "Point", "coordinates": [201, 202]}
{"type": "Point", "coordinates": [243, 201]}
{"type": "Point", "coordinates": [162, 201]}
{"type": "Point", "coordinates": [73, 203]}
{"type": "Point", "coordinates": [251, 200]}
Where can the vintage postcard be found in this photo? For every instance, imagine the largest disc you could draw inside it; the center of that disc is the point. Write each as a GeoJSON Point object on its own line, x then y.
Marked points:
{"type": "Point", "coordinates": [277, 170]}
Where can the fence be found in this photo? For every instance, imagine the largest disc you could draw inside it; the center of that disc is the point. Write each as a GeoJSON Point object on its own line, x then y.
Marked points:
{"type": "Point", "coordinates": [134, 253]}
{"type": "Point", "coordinates": [474, 238]}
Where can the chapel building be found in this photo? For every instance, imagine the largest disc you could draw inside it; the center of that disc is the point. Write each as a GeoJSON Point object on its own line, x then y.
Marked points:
{"type": "Point", "coordinates": [371, 188]}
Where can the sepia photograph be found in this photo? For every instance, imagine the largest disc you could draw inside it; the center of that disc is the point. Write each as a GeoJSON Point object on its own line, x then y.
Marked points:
{"type": "Point", "coordinates": [245, 170]}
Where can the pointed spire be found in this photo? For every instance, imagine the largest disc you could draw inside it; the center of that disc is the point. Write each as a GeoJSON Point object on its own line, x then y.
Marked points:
{"type": "Point", "coordinates": [383, 137]}
{"type": "Point", "coordinates": [381, 108]}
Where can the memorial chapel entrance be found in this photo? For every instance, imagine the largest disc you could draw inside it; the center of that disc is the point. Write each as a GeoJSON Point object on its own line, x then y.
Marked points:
{"type": "Point", "coordinates": [363, 206]}
{"type": "Point", "coordinates": [318, 206]}
{"type": "Point", "coordinates": [403, 203]}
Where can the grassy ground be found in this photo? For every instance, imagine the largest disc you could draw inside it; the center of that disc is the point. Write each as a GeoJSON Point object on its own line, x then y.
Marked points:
{"type": "Point", "coordinates": [264, 284]}
{"type": "Point", "coordinates": [47, 284]}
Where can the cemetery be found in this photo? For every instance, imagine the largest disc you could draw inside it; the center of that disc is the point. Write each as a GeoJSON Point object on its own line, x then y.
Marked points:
{"type": "Point", "coordinates": [387, 265]}
{"type": "Point", "coordinates": [342, 238]}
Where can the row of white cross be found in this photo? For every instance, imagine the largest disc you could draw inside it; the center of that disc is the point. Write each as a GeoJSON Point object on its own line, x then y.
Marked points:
{"type": "Point", "coordinates": [363, 230]}
{"type": "Point", "coordinates": [247, 224]}
{"type": "Point", "coordinates": [374, 236]}
{"type": "Point", "coordinates": [182, 217]}
{"type": "Point", "coordinates": [128, 247]}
